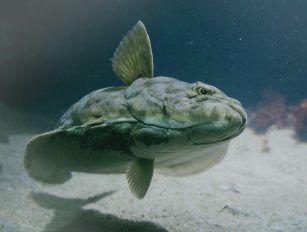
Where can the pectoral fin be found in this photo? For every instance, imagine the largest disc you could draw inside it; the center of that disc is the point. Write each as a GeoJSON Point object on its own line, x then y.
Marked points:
{"type": "Point", "coordinates": [40, 158]}
{"type": "Point", "coordinates": [139, 176]}
{"type": "Point", "coordinates": [133, 57]}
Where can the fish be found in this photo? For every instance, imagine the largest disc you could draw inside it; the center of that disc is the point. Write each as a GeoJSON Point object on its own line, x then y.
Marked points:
{"type": "Point", "coordinates": [162, 123]}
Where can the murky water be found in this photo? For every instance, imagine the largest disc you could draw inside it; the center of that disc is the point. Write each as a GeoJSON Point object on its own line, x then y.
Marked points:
{"type": "Point", "coordinates": [53, 53]}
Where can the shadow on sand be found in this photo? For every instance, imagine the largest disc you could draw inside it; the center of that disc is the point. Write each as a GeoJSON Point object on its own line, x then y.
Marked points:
{"type": "Point", "coordinates": [71, 217]}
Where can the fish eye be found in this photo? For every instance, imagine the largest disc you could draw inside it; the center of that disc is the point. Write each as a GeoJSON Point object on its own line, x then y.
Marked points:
{"type": "Point", "coordinates": [203, 91]}
{"type": "Point", "coordinates": [200, 90]}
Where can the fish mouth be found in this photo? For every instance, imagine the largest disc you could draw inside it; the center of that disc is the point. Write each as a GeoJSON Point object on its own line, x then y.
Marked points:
{"type": "Point", "coordinates": [229, 123]}
{"type": "Point", "coordinates": [236, 106]}
{"type": "Point", "coordinates": [222, 140]}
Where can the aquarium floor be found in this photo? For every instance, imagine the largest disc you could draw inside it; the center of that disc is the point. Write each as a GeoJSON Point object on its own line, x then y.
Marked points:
{"type": "Point", "coordinates": [260, 186]}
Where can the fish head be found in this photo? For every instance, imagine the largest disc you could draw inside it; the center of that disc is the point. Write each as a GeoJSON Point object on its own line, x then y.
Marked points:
{"type": "Point", "coordinates": [201, 111]}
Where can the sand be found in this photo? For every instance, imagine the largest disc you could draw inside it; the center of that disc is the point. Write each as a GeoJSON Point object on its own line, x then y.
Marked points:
{"type": "Point", "coordinates": [260, 186]}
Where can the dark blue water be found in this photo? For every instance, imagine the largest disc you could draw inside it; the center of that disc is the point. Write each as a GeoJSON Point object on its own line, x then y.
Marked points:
{"type": "Point", "coordinates": [54, 52]}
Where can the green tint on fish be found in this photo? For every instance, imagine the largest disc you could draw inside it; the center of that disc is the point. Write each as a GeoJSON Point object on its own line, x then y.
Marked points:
{"type": "Point", "coordinates": [177, 127]}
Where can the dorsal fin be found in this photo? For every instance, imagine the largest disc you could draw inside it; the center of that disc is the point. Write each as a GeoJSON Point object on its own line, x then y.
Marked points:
{"type": "Point", "coordinates": [133, 58]}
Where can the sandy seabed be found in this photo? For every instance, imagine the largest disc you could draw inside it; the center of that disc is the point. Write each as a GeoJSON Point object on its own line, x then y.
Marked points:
{"type": "Point", "coordinates": [260, 186]}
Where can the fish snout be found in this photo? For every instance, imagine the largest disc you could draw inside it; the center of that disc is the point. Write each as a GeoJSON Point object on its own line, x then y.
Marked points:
{"type": "Point", "coordinates": [220, 106]}
{"type": "Point", "coordinates": [237, 106]}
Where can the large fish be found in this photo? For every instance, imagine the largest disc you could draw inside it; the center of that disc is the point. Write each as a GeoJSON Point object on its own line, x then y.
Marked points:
{"type": "Point", "coordinates": [160, 122]}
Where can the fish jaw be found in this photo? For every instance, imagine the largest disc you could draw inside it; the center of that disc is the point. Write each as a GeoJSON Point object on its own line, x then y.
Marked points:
{"type": "Point", "coordinates": [165, 102]}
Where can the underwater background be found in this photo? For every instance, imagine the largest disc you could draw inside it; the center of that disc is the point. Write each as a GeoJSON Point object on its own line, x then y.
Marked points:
{"type": "Point", "coordinates": [54, 52]}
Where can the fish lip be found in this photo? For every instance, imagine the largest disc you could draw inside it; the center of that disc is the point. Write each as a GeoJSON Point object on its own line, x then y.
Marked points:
{"type": "Point", "coordinates": [242, 127]}
{"type": "Point", "coordinates": [234, 105]}
{"type": "Point", "coordinates": [239, 109]}
{"type": "Point", "coordinates": [236, 133]}
{"type": "Point", "coordinates": [213, 143]}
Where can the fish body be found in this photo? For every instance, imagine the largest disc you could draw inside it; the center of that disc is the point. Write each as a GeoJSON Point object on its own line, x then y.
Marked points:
{"type": "Point", "coordinates": [160, 122]}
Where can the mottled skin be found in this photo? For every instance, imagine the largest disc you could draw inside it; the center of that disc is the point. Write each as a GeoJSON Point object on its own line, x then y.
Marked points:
{"type": "Point", "coordinates": [160, 118]}
{"type": "Point", "coordinates": [155, 122]}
